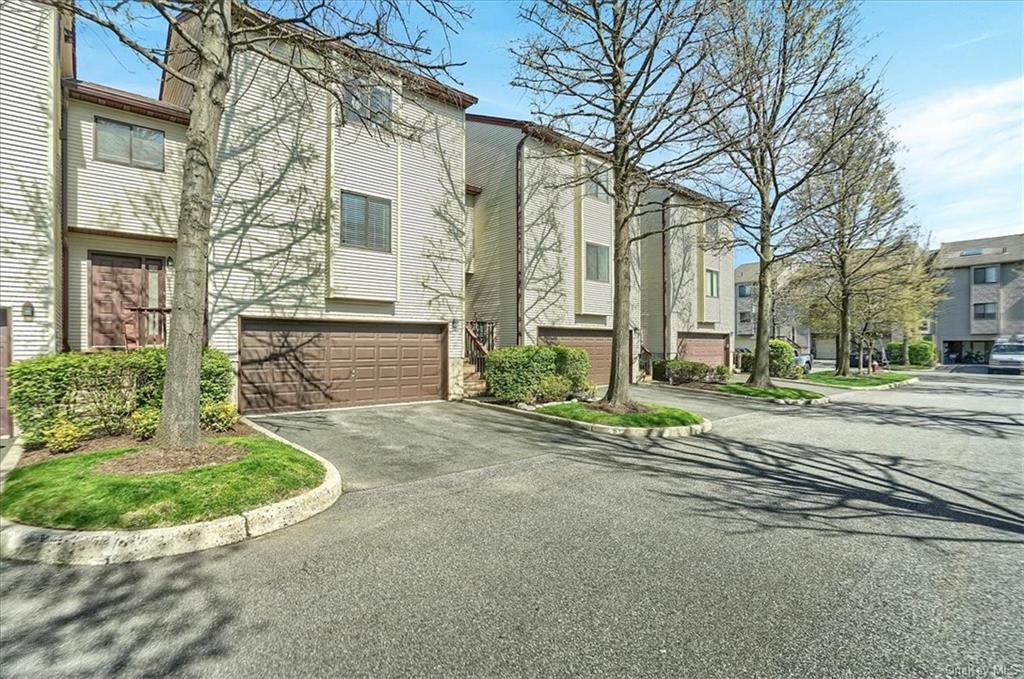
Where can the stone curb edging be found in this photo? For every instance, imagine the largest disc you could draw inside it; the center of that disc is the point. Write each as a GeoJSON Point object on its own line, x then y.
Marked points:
{"type": "Point", "coordinates": [628, 432]}
{"type": "Point", "coordinates": [96, 548]}
{"type": "Point", "coordinates": [875, 387]}
{"type": "Point", "coordinates": [781, 401]}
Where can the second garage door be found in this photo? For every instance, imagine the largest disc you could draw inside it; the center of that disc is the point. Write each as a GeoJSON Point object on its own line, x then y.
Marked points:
{"type": "Point", "coordinates": [597, 343]}
{"type": "Point", "coordinates": [304, 365]}
{"type": "Point", "coordinates": [710, 349]}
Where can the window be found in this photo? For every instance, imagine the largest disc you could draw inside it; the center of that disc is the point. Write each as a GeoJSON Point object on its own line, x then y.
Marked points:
{"type": "Point", "coordinates": [970, 253]}
{"type": "Point", "coordinates": [743, 290]}
{"type": "Point", "coordinates": [985, 312]}
{"type": "Point", "coordinates": [710, 283]}
{"type": "Point", "coordinates": [597, 262]}
{"type": "Point", "coordinates": [367, 105]}
{"type": "Point", "coordinates": [744, 317]}
{"type": "Point", "coordinates": [365, 222]}
{"type": "Point", "coordinates": [118, 142]}
{"type": "Point", "coordinates": [986, 274]}
{"type": "Point", "coordinates": [596, 183]}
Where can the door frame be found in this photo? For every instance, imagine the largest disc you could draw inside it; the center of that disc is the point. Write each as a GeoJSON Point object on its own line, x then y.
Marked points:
{"type": "Point", "coordinates": [145, 286]}
{"type": "Point", "coordinates": [6, 354]}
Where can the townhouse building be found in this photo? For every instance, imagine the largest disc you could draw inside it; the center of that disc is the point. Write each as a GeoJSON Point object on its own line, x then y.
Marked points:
{"type": "Point", "coordinates": [686, 279]}
{"type": "Point", "coordinates": [785, 315]}
{"type": "Point", "coordinates": [543, 249]}
{"type": "Point", "coordinates": [984, 296]}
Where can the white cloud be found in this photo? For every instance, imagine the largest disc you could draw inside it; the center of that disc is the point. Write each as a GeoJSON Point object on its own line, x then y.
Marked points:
{"type": "Point", "coordinates": [964, 160]}
{"type": "Point", "coordinates": [969, 41]}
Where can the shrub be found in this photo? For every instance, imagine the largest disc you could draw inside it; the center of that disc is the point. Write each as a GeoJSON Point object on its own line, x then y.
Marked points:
{"type": "Point", "coordinates": [552, 388]}
{"type": "Point", "coordinates": [574, 365]}
{"type": "Point", "coordinates": [720, 374]}
{"type": "Point", "coordinates": [922, 352]}
{"type": "Point", "coordinates": [780, 358]}
{"type": "Point", "coordinates": [63, 435]}
{"type": "Point", "coordinates": [143, 422]}
{"type": "Point", "coordinates": [746, 361]}
{"type": "Point", "coordinates": [690, 371]}
{"type": "Point", "coordinates": [218, 416]}
{"type": "Point", "coordinates": [100, 390]}
{"type": "Point", "coordinates": [659, 370]}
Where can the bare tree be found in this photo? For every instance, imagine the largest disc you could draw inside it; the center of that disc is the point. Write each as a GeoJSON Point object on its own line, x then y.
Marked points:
{"type": "Point", "coordinates": [788, 61]}
{"type": "Point", "coordinates": [624, 78]}
{"type": "Point", "coordinates": [855, 213]}
{"type": "Point", "coordinates": [335, 45]}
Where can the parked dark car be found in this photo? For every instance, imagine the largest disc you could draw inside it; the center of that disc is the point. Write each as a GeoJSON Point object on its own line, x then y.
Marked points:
{"type": "Point", "coordinates": [876, 354]}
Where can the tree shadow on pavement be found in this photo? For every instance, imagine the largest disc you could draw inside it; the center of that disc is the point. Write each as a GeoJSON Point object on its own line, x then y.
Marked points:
{"type": "Point", "coordinates": [780, 485]}
{"type": "Point", "coordinates": [152, 618]}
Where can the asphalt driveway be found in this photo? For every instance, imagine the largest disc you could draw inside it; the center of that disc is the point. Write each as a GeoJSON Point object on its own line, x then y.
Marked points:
{"type": "Point", "coordinates": [882, 538]}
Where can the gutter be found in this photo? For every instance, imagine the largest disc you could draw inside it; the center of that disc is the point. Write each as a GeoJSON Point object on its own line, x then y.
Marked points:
{"type": "Point", "coordinates": [520, 303]}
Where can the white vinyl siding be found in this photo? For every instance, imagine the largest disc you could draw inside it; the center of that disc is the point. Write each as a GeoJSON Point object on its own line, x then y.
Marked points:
{"type": "Point", "coordinates": [118, 196]}
{"type": "Point", "coordinates": [30, 261]}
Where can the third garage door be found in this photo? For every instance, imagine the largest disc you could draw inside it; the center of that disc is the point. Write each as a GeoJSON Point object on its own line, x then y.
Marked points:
{"type": "Point", "coordinates": [305, 365]}
{"type": "Point", "coordinates": [710, 349]}
{"type": "Point", "coordinates": [597, 343]}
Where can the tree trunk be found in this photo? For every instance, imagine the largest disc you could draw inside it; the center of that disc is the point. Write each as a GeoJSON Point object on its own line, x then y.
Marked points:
{"type": "Point", "coordinates": [905, 350]}
{"type": "Point", "coordinates": [843, 338]}
{"type": "Point", "coordinates": [179, 413]}
{"type": "Point", "coordinates": [759, 374]}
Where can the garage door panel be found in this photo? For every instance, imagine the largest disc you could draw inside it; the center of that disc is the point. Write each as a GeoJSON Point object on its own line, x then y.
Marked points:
{"type": "Point", "coordinates": [709, 349]}
{"type": "Point", "coordinates": [293, 365]}
{"type": "Point", "coordinates": [597, 343]}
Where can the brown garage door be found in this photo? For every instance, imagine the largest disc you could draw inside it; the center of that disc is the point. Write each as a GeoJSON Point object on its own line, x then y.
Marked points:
{"type": "Point", "coordinates": [710, 349]}
{"type": "Point", "coordinates": [305, 365]}
{"type": "Point", "coordinates": [597, 343]}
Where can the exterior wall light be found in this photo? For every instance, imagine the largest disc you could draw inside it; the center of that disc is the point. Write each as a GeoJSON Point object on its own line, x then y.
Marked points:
{"type": "Point", "coordinates": [28, 312]}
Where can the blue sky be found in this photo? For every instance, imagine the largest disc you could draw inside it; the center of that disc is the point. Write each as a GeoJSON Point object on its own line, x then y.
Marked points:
{"type": "Point", "coordinates": [953, 71]}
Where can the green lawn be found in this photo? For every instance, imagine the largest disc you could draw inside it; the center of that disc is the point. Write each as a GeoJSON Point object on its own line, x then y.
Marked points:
{"type": "Point", "coordinates": [69, 493]}
{"type": "Point", "coordinates": [658, 416]}
{"type": "Point", "coordinates": [775, 392]}
{"type": "Point", "coordinates": [908, 367]}
{"type": "Point", "coordinates": [865, 380]}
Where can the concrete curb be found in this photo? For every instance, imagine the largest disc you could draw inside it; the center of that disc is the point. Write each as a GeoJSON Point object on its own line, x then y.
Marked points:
{"type": "Point", "coordinates": [96, 548]}
{"type": "Point", "coordinates": [781, 401]}
{"type": "Point", "coordinates": [10, 460]}
{"type": "Point", "coordinates": [628, 432]}
{"type": "Point", "coordinates": [877, 387]}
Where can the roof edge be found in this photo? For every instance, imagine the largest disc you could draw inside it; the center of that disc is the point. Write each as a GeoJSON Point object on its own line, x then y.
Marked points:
{"type": "Point", "coordinates": [102, 95]}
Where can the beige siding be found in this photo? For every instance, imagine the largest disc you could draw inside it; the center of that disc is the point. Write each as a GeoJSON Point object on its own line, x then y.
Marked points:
{"type": "Point", "coordinates": [79, 247]}
{"type": "Point", "coordinates": [652, 282]}
{"type": "Point", "coordinates": [115, 197]}
{"type": "Point", "coordinates": [275, 229]}
{"type": "Point", "coordinates": [491, 165]}
{"type": "Point", "coordinates": [29, 171]}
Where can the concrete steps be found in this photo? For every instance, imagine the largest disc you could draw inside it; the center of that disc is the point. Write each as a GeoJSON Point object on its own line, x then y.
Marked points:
{"type": "Point", "coordinates": [473, 383]}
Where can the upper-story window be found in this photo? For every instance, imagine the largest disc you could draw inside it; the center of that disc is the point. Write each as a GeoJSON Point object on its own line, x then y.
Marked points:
{"type": "Point", "coordinates": [365, 222]}
{"type": "Point", "coordinates": [985, 312]}
{"type": "Point", "coordinates": [597, 262]}
{"type": "Point", "coordinates": [710, 283]}
{"type": "Point", "coordinates": [127, 144]}
{"type": "Point", "coordinates": [368, 105]}
{"type": "Point", "coordinates": [743, 290]}
{"type": "Point", "coordinates": [596, 182]}
{"type": "Point", "coordinates": [744, 317]}
{"type": "Point", "coordinates": [986, 274]}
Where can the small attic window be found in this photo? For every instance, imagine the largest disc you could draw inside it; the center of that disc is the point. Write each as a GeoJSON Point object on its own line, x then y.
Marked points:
{"type": "Point", "coordinates": [970, 253]}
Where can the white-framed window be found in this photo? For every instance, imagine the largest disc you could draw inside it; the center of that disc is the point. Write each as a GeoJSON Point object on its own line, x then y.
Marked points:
{"type": "Point", "coordinates": [986, 274]}
{"type": "Point", "coordinates": [744, 317]}
{"type": "Point", "coordinates": [597, 263]}
{"type": "Point", "coordinates": [743, 290]}
{"type": "Point", "coordinates": [596, 183]}
{"type": "Point", "coordinates": [365, 222]}
{"type": "Point", "coordinates": [127, 144]}
{"type": "Point", "coordinates": [986, 311]}
{"type": "Point", "coordinates": [710, 283]}
{"type": "Point", "coordinates": [367, 104]}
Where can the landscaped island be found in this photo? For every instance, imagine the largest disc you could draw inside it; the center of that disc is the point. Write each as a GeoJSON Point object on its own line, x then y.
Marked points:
{"type": "Point", "coordinates": [116, 489]}
{"type": "Point", "coordinates": [784, 393]}
{"type": "Point", "coordinates": [865, 380]}
{"type": "Point", "coordinates": [640, 415]}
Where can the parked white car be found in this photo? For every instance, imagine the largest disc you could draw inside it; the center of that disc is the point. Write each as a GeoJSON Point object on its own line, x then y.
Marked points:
{"type": "Point", "coordinates": [1007, 355]}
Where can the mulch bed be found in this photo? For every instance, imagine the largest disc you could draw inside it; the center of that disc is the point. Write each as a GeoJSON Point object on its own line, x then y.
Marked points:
{"type": "Point", "coordinates": [161, 461]}
{"type": "Point", "coordinates": [114, 442]}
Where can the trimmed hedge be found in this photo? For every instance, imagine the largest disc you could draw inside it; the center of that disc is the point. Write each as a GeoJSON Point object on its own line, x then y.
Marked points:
{"type": "Point", "coordinates": [517, 374]}
{"type": "Point", "coordinates": [674, 371]}
{"type": "Point", "coordinates": [922, 352]}
{"type": "Point", "coordinates": [780, 358]}
{"type": "Point", "coordinates": [100, 391]}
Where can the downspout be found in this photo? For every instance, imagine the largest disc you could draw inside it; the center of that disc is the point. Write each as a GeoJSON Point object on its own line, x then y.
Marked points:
{"type": "Point", "coordinates": [64, 273]}
{"type": "Point", "coordinates": [665, 286]}
{"type": "Point", "coordinates": [520, 321]}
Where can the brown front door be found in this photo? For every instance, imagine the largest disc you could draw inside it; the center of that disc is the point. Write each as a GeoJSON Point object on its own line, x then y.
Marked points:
{"type": "Point", "coordinates": [5, 360]}
{"type": "Point", "coordinates": [122, 288]}
{"type": "Point", "coordinates": [305, 365]}
{"type": "Point", "coordinates": [597, 344]}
